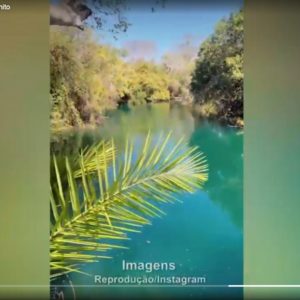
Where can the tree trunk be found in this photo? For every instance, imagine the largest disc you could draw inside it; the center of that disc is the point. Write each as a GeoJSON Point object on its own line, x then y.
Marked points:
{"type": "Point", "coordinates": [69, 13]}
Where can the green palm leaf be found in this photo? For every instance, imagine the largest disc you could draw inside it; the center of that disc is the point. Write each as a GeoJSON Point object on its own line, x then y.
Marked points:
{"type": "Point", "coordinates": [109, 196]}
{"type": "Point", "coordinates": [106, 153]}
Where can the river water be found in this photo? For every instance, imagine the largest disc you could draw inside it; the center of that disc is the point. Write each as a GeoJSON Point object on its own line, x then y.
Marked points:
{"type": "Point", "coordinates": [203, 235]}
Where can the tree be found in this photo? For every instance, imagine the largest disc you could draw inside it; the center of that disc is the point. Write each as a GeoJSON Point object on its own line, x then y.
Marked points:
{"type": "Point", "coordinates": [148, 83]}
{"type": "Point", "coordinates": [218, 76]}
{"type": "Point", "coordinates": [86, 78]}
{"type": "Point", "coordinates": [179, 64]}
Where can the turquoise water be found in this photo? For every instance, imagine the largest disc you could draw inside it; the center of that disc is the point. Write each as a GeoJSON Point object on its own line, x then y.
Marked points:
{"type": "Point", "coordinates": [203, 235]}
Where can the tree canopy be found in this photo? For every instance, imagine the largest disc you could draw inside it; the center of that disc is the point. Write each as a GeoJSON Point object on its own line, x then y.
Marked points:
{"type": "Point", "coordinates": [85, 78]}
{"type": "Point", "coordinates": [88, 78]}
{"type": "Point", "coordinates": [217, 80]}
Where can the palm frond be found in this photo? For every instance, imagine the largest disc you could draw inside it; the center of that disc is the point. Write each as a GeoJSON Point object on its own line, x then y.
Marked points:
{"type": "Point", "coordinates": [106, 153]}
{"type": "Point", "coordinates": [109, 196]}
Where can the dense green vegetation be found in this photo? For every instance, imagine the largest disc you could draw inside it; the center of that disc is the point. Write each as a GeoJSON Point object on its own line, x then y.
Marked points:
{"type": "Point", "coordinates": [86, 79]}
{"type": "Point", "coordinates": [89, 77]}
{"type": "Point", "coordinates": [217, 82]}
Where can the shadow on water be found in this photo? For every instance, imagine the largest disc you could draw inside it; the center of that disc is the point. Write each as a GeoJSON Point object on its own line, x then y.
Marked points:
{"type": "Point", "coordinates": [224, 149]}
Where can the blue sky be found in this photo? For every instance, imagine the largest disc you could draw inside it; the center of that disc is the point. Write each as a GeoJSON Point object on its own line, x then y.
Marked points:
{"type": "Point", "coordinates": [162, 30]}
